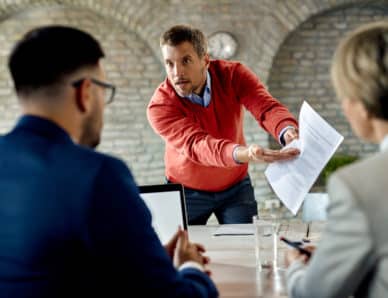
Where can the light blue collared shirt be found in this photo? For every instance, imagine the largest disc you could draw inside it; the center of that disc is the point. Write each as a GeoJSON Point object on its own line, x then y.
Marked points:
{"type": "Point", "coordinates": [205, 100]}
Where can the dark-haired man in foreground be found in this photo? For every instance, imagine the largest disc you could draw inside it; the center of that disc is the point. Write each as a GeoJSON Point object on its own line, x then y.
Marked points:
{"type": "Point", "coordinates": [72, 223]}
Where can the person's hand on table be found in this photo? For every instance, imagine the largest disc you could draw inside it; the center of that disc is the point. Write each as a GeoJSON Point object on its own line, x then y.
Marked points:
{"type": "Point", "coordinates": [293, 255]}
{"type": "Point", "coordinates": [171, 245]}
{"type": "Point", "coordinates": [181, 250]}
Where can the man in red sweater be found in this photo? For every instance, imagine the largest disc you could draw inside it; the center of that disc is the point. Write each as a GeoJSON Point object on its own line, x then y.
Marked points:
{"type": "Point", "coordinates": [198, 111]}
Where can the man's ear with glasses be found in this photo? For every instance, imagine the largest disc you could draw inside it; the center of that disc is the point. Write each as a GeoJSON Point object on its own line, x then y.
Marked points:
{"type": "Point", "coordinates": [110, 89]}
{"type": "Point", "coordinates": [82, 91]}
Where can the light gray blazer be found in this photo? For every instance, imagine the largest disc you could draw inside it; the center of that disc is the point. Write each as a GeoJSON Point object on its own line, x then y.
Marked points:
{"type": "Point", "coordinates": [352, 256]}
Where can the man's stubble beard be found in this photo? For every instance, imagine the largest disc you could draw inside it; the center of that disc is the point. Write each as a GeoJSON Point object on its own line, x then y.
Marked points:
{"type": "Point", "coordinates": [90, 137]}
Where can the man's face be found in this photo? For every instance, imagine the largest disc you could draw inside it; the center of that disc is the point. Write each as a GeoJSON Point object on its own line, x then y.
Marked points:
{"type": "Point", "coordinates": [185, 70]}
{"type": "Point", "coordinates": [93, 122]}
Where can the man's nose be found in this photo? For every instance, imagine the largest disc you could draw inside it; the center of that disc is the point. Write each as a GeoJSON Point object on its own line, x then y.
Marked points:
{"type": "Point", "coordinates": [178, 70]}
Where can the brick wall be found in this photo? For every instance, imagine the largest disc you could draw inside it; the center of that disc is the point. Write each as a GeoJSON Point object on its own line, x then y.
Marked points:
{"type": "Point", "coordinates": [130, 64]}
{"type": "Point", "coordinates": [277, 40]}
{"type": "Point", "coordinates": [301, 68]}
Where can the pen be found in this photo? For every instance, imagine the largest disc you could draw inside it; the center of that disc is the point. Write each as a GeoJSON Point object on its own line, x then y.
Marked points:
{"type": "Point", "coordinates": [297, 246]}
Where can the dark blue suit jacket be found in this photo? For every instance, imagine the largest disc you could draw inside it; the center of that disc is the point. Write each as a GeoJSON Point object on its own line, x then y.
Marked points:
{"type": "Point", "coordinates": [72, 224]}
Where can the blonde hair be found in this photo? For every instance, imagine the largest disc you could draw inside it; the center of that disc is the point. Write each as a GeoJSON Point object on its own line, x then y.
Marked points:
{"type": "Point", "coordinates": [360, 68]}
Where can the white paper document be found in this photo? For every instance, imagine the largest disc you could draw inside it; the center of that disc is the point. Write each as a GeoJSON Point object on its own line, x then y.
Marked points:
{"type": "Point", "coordinates": [318, 140]}
{"type": "Point", "coordinates": [232, 230]}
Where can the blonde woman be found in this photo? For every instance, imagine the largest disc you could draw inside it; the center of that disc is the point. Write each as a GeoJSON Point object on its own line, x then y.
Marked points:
{"type": "Point", "coordinates": [352, 257]}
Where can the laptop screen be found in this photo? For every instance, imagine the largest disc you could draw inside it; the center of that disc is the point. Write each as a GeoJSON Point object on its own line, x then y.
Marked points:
{"type": "Point", "coordinates": [168, 208]}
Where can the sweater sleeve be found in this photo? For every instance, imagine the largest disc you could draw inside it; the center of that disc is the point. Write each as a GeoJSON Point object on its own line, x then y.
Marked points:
{"type": "Point", "coordinates": [185, 135]}
{"type": "Point", "coordinates": [269, 112]}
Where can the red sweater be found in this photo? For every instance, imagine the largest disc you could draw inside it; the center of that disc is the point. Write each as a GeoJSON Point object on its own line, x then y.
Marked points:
{"type": "Point", "coordinates": [200, 140]}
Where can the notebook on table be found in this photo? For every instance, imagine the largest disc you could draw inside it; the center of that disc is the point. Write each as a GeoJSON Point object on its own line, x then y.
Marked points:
{"type": "Point", "coordinates": [168, 208]}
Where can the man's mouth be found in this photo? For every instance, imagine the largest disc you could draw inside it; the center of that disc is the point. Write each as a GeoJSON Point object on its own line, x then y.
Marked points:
{"type": "Point", "coordinates": [182, 82]}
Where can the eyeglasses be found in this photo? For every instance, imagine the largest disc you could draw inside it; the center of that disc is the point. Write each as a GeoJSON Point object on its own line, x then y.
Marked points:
{"type": "Point", "coordinates": [109, 95]}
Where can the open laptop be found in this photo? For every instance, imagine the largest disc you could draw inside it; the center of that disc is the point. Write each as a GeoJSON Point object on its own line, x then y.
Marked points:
{"type": "Point", "coordinates": [168, 208]}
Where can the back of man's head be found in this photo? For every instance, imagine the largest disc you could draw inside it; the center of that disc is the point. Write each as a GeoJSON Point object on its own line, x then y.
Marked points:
{"type": "Point", "coordinates": [46, 55]}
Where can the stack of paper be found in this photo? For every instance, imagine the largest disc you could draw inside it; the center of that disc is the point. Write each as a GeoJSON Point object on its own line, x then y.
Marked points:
{"type": "Point", "coordinates": [318, 140]}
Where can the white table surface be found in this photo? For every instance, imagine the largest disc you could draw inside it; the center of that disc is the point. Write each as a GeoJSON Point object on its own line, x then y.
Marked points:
{"type": "Point", "coordinates": [233, 261]}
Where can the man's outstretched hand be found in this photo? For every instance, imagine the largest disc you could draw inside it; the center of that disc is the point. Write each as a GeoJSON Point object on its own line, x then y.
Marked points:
{"type": "Point", "coordinates": [255, 153]}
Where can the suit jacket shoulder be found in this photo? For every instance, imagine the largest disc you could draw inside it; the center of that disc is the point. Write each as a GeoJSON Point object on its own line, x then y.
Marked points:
{"type": "Point", "coordinates": [367, 182]}
{"type": "Point", "coordinates": [351, 257]}
{"type": "Point", "coordinates": [73, 221]}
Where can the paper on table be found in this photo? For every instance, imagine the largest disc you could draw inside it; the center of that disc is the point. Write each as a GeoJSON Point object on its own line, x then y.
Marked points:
{"type": "Point", "coordinates": [291, 180]}
{"type": "Point", "coordinates": [226, 230]}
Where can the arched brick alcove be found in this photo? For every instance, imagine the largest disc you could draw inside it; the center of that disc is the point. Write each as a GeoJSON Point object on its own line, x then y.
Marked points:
{"type": "Point", "coordinates": [129, 31]}
{"type": "Point", "coordinates": [130, 64]}
{"type": "Point", "coordinates": [301, 67]}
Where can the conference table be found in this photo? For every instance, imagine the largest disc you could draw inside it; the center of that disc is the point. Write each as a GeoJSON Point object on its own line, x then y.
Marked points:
{"type": "Point", "coordinates": [233, 260]}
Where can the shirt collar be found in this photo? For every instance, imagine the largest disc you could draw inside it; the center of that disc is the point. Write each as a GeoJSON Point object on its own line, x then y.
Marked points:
{"type": "Point", "coordinates": [384, 144]}
{"type": "Point", "coordinates": [42, 126]}
{"type": "Point", "coordinates": [205, 100]}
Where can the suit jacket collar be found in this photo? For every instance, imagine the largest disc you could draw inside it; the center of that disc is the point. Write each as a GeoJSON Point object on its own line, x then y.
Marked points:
{"type": "Point", "coordinates": [43, 127]}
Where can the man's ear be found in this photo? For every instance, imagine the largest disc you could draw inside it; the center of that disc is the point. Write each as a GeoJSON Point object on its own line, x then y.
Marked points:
{"type": "Point", "coordinates": [83, 95]}
{"type": "Point", "coordinates": [207, 60]}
